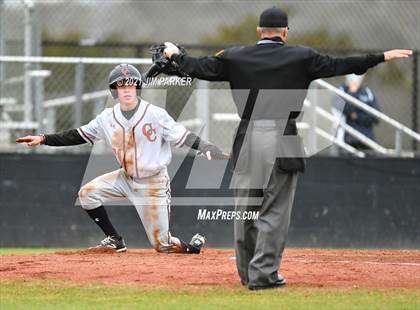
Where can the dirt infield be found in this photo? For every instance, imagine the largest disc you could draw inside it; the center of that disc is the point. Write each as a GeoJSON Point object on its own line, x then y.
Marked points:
{"type": "Point", "coordinates": [301, 267]}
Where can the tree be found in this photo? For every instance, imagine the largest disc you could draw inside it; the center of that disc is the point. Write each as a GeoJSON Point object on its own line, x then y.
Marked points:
{"type": "Point", "coordinates": [245, 33]}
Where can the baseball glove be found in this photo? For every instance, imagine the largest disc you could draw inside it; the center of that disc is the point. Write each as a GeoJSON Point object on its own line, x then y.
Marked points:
{"type": "Point", "coordinates": [163, 65]}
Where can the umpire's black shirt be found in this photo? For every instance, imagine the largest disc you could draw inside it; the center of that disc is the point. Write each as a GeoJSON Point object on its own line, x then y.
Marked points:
{"type": "Point", "coordinates": [254, 71]}
{"type": "Point", "coordinates": [271, 64]}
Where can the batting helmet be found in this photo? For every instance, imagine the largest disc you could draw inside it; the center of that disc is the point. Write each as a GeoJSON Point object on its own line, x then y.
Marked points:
{"type": "Point", "coordinates": [124, 74]}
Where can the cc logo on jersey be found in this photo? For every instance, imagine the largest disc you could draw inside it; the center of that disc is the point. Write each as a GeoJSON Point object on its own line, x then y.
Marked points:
{"type": "Point", "coordinates": [149, 132]}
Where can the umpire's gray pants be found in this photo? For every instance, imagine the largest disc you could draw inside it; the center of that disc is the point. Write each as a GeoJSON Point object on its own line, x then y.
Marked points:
{"type": "Point", "coordinates": [259, 244]}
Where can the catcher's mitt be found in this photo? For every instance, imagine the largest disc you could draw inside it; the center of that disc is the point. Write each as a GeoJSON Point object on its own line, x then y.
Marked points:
{"type": "Point", "coordinates": [163, 65]}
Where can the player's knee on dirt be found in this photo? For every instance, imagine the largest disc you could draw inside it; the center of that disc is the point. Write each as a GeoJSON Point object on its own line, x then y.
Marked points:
{"type": "Point", "coordinates": [160, 247]}
{"type": "Point", "coordinates": [163, 244]}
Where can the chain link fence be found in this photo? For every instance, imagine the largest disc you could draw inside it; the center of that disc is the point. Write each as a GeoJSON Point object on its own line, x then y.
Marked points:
{"type": "Point", "coordinates": [127, 29]}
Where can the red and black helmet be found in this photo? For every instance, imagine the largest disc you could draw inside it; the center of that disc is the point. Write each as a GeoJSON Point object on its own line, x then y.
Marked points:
{"type": "Point", "coordinates": [124, 74]}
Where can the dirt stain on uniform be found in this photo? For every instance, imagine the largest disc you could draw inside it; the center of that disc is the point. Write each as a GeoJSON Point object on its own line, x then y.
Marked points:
{"type": "Point", "coordinates": [123, 145]}
{"type": "Point", "coordinates": [117, 143]}
{"type": "Point", "coordinates": [156, 233]}
{"type": "Point", "coordinates": [93, 185]}
{"type": "Point", "coordinates": [86, 189]}
{"type": "Point", "coordinates": [130, 157]}
{"type": "Point", "coordinates": [152, 193]}
{"type": "Point", "coordinates": [117, 138]}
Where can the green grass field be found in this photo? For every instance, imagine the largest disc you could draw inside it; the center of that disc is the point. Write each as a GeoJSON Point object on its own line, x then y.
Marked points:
{"type": "Point", "coordinates": [58, 295]}
{"type": "Point", "coordinates": [6, 251]}
{"type": "Point", "coordinates": [16, 294]}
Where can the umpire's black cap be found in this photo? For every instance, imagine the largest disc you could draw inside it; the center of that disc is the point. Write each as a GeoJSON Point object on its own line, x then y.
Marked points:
{"type": "Point", "coordinates": [273, 18]}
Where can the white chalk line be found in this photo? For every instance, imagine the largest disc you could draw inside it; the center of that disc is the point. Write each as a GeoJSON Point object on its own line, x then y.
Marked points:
{"type": "Point", "coordinates": [352, 262]}
{"type": "Point", "coordinates": [358, 255]}
{"type": "Point", "coordinates": [344, 262]}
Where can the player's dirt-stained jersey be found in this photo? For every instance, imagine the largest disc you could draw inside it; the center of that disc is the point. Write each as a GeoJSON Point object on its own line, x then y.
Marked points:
{"type": "Point", "coordinates": [142, 143]}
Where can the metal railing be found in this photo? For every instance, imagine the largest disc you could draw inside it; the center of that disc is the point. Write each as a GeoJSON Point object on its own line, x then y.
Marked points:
{"type": "Point", "coordinates": [399, 128]}
{"type": "Point", "coordinates": [75, 60]}
{"type": "Point", "coordinates": [47, 107]}
{"type": "Point", "coordinates": [234, 117]}
{"type": "Point", "coordinates": [38, 108]}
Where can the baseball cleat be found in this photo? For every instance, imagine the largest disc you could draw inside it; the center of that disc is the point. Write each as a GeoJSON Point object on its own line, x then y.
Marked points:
{"type": "Point", "coordinates": [198, 241]}
{"type": "Point", "coordinates": [112, 242]}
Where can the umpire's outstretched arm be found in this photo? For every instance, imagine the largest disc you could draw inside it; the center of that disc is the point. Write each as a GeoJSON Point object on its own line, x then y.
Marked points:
{"type": "Point", "coordinates": [216, 68]}
{"type": "Point", "coordinates": [206, 68]}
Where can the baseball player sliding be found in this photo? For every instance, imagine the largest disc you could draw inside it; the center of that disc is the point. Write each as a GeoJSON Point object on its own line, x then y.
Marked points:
{"type": "Point", "coordinates": [140, 135]}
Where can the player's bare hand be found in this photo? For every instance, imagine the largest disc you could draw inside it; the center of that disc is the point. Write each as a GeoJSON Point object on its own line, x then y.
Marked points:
{"type": "Point", "coordinates": [397, 54]}
{"type": "Point", "coordinates": [170, 50]}
{"type": "Point", "coordinates": [31, 140]}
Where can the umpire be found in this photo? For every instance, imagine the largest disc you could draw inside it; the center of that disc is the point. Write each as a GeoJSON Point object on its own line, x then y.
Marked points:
{"type": "Point", "coordinates": [270, 64]}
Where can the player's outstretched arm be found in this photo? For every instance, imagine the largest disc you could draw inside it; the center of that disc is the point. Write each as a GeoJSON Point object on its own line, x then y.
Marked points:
{"type": "Point", "coordinates": [65, 138]}
{"type": "Point", "coordinates": [32, 140]}
{"type": "Point", "coordinates": [211, 151]}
